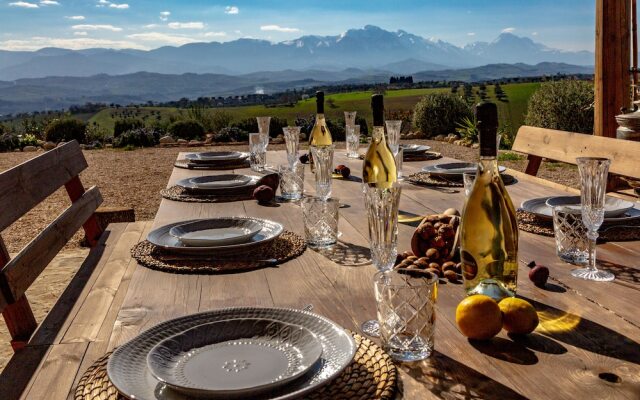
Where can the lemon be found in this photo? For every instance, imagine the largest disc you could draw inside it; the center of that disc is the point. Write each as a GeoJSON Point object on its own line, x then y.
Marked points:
{"type": "Point", "coordinates": [518, 316]}
{"type": "Point", "coordinates": [479, 317]}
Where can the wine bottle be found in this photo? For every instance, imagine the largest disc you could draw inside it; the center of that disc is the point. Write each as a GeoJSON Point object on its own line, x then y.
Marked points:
{"type": "Point", "coordinates": [489, 230]}
{"type": "Point", "coordinates": [320, 134]}
{"type": "Point", "coordinates": [379, 167]}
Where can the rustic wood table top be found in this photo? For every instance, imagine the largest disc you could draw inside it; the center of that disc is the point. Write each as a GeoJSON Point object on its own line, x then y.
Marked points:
{"type": "Point", "coordinates": [587, 345]}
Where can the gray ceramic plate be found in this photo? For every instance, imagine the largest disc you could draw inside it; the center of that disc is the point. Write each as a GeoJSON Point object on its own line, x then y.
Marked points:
{"type": "Point", "coordinates": [216, 156]}
{"type": "Point", "coordinates": [539, 207]}
{"type": "Point", "coordinates": [613, 206]}
{"type": "Point", "coordinates": [226, 184]}
{"type": "Point", "coordinates": [454, 169]}
{"type": "Point", "coordinates": [162, 238]}
{"type": "Point", "coordinates": [216, 231]}
{"type": "Point", "coordinates": [234, 357]}
{"type": "Point", "coordinates": [127, 367]}
{"type": "Point", "coordinates": [414, 148]}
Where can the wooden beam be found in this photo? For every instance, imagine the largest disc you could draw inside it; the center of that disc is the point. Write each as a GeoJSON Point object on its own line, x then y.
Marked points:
{"type": "Point", "coordinates": [612, 64]}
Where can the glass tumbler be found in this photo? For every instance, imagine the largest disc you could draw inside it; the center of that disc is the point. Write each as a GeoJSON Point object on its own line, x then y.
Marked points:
{"type": "Point", "coordinates": [320, 217]}
{"type": "Point", "coordinates": [292, 141]}
{"type": "Point", "coordinates": [572, 242]}
{"type": "Point", "coordinates": [323, 163]}
{"type": "Point", "coordinates": [353, 141]}
{"type": "Point", "coordinates": [406, 313]}
{"type": "Point", "coordinates": [257, 151]}
{"type": "Point", "coordinates": [291, 181]}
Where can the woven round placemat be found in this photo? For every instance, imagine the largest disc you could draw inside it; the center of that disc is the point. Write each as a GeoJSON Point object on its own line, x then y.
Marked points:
{"type": "Point", "coordinates": [370, 376]}
{"type": "Point", "coordinates": [426, 156]}
{"type": "Point", "coordinates": [189, 165]}
{"type": "Point", "coordinates": [285, 247]}
{"type": "Point", "coordinates": [178, 193]}
{"type": "Point", "coordinates": [531, 223]}
{"type": "Point", "coordinates": [426, 179]}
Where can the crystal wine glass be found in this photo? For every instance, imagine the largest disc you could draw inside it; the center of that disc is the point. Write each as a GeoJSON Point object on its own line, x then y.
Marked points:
{"type": "Point", "coordinates": [382, 212]}
{"type": "Point", "coordinates": [292, 141]}
{"type": "Point", "coordinates": [593, 176]}
{"type": "Point", "coordinates": [393, 135]}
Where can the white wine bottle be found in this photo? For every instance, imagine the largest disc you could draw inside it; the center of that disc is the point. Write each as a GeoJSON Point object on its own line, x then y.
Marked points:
{"type": "Point", "coordinates": [320, 134]}
{"type": "Point", "coordinates": [379, 166]}
{"type": "Point", "coordinates": [489, 230]}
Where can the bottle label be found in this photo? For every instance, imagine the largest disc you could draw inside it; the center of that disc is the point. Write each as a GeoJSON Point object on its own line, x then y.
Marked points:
{"type": "Point", "coordinates": [469, 265]}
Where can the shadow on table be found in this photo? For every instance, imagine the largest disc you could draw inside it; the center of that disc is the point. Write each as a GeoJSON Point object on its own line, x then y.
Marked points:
{"type": "Point", "coordinates": [622, 273]}
{"type": "Point", "coordinates": [580, 332]}
{"type": "Point", "coordinates": [348, 254]}
{"type": "Point", "coordinates": [449, 379]}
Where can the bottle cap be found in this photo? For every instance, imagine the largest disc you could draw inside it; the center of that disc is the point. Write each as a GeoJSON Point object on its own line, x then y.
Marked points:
{"type": "Point", "coordinates": [320, 102]}
{"type": "Point", "coordinates": [487, 116]}
{"type": "Point", "coordinates": [377, 106]}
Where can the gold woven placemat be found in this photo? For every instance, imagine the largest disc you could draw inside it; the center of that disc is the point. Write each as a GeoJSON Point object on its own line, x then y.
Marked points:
{"type": "Point", "coordinates": [370, 376]}
{"type": "Point", "coordinates": [189, 165]}
{"type": "Point", "coordinates": [426, 179]}
{"type": "Point", "coordinates": [285, 247]}
{"type": "Point", "coordinates": [531, 223]}
{"type": "Point", "coordinates": [426, 156]}
{"type": "Point", "coordinates": [178, 193]}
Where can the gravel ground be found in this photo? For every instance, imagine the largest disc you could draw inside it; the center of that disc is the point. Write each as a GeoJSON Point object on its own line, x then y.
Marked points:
{"type": "Point", "coordinates": [133, 179]}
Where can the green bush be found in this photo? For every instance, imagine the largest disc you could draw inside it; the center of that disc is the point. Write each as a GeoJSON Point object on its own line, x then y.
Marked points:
{"type": "Point", "coordinates": [563, 105]}
{"type": "Point", "coordinates": [141, 137]}
{"type": "Point", "coordinates": [28, 140]}
{"type": "Point", "coordinates": [186, 129]}
{"type": "Point", "coordinates": [9, 141]}
{"type": "Point", "coordinates": [220, 120]}
{"type": "Point", "coordinates": [468, 129]}
{"type": "Point", "coordinates": [127, 124]}
{"type": "Point", "coordinates": [96, 134]}
{"type": "Point", "coordinates": [65, 130]}
{"type": "Point", "coordinates": [438, 113]}
{"type": "Point", "coordinates": [251, 125]}
{"type": "Point", "coordinates": [231, 134]}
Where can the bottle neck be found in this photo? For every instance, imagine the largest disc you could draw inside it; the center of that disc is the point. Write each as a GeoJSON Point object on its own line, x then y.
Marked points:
{"type": "Point", "coordinates": [488, 164]}
{"type": "Point", "coordinates": [377, 135]}
{"type": "Point", "coordinates": [319, 117]}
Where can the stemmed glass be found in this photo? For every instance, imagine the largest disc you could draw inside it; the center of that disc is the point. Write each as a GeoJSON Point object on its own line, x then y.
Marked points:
{"type": "Point", "coordinates": [263, 125]}
{"type": "Point", "coordinates": [382, 212]}
{"type": "Point", "coordinates": [292, 141]}
{"type": "Point", "coordinates": [323, 161]}
{"type": "Point", "coordinates": [393, 135]}
{"type": "Point", "coordinates": [593, 176]}
{"type": "Point", "coordinates": [349, 118]}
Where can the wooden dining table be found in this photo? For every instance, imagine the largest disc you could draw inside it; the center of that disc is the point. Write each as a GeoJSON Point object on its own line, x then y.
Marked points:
{"type": "Point", "coordinates": [587, 345]}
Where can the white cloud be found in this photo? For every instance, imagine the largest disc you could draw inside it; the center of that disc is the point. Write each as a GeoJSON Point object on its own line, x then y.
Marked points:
{"type": "Point", "coordinates": [534, 33]}
{"type": "Point", "coordinates": [215, 34]}
{"type": "Point", "coordinates": [278, 28]}
{"type": "Point", "coordinates": [162, 38]}
{"type": "Point", "coordinates": [23, 4]}
{"type": "Point", "coordinates": [508, 30]}
{"type": "Point", "coordinates": [80, 33]}
{"type": "Point", "coordinates": [78, 43]}
{"type": "Point", "coordinates": [186, 25]}
{"type": "Point", "coordinates": [471, 34]}
{"type": "Point", "coordinates": [164, 15]}
{"type": "Point", "coordinates": [76, 17]}
{"type": "Point", "coordinates": [123, 6]}
{"type": "Point", "coordinates": [231, 10]}
{"type": "Point", "coordinates": [151, 26]}
{"type": "Point", "coordinates": [49, 3]}
{"type": "Point", "coordinates": [102, 3]}
{"type": "Point", "coordinates": [87, 27]}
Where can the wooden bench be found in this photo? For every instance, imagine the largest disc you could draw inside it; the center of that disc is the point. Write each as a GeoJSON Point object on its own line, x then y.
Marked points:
{"type": "Point", "coordinates": [539, 143]}
{"type": "Point", "coordinates": [103, 270]}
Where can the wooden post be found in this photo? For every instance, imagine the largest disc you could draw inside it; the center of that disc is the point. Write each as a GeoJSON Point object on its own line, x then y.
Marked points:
{"type": "Point", "coordinates": [612, 64]}
{"type": "Point", "coordinates": [92, 229]}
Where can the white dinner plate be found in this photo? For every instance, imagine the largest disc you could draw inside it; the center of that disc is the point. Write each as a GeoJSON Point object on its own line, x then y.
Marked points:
{"type": "Point", "coordinates": [216, 232]}
{"type": "Point", "coordinates": [235, 357]}
{"type": "Point", "coordinates": [613, 206]}
{"type": "Point", "coordinates": [218, 184]}
{"type": "Point", "coordinates": [539, 207]}
{"type": "Point", "coordinates": [455, 169]}
{"type": "Point", "coordinates": [414, 148]}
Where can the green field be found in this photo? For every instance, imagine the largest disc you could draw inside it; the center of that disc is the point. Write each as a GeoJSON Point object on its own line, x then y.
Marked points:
{"type": "Point", "coordinates": [511, 112]}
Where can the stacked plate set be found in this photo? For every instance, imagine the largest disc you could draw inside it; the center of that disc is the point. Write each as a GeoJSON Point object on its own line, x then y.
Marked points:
{"type": "Point", "coordinates": [216, 159]}
{"type": "Point", "coordinates": [454, 170]}
{"type": "Point", "coordinates": [219, 185]}
{"type": "Point", "coordinates": [255, 353]}
{"type": "Point", "coordinates": [617, 211]}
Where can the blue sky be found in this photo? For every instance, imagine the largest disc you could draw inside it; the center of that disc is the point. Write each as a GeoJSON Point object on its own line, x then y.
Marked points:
{"type": "Point", "coordinates": [146, 24]}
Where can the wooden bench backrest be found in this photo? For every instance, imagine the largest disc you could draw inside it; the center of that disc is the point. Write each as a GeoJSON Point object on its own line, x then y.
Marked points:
{"type": "Point", "coordinates": [24, 187]}
{"type": "Point", "coordinates": [564, 146]}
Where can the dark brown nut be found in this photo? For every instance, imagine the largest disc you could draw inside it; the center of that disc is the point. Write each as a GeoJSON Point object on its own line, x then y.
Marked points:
{"type": "Point", "coordinates": [438, 242]}
{"type": "Point", "coordinates": [531, 264]}
{"type": "Point", "coordinates": [447, 231]}
{"type": "Point", "coordinates": [432, 254]}
{"type": "Point", "coordinates": [449, 265]}
{"type": "Point", "coordinates": [425, 235]}
{"type": "Point", "coordinates": [432, 218]}
{"type": "Point", "coordinates": [421, 264]}
{"type": "Point", "coordinates": [434, 271]}
{"type": "Point", "coordinates": [411, 258]}
{"type": "Point", "coordinates": [264, 194]}
{"type": "Point", "coordinates": [444, 252]}
{"type": "Point", "coordinates": [304, 158]}
{"type": "Point", "coordinates": [407, 254]}
{"type": "Point", "coordinates": [399, 259]}
{"type": "Point", "coordinates": [434, 266]}
{"type": "Point", "coordinates": [451, 211]}
{"type": "Point", "coordinates": [423, 259]}
{"type": "Point", "coordinates": [415, 273]}
{"type": "Point", "coordinates": [451, 275]}
{"type": "Point", "coordinates": [424, 246]}
{"type": "Point", "coordinates": [539, 275]}
{"type": "Point", "coordinates": [437, 225]}
{"type": "Point", "coordinates": [345, 172]}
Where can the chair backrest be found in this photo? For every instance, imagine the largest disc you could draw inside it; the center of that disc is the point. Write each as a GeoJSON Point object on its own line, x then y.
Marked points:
{"type": "Point", "coordinates": [564, 146]}
{"type": "Point", "coordinates": [22, 188]}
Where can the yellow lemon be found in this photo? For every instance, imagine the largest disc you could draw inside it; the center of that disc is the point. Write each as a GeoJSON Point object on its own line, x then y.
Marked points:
{"type": "Point", "coordinates": [518, 316]}
{"type": "Point", "coordinates": [479, 317]}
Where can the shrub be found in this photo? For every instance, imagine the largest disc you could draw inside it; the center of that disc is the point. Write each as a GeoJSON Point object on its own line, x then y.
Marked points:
{"type": "Point", "coordinates": [95, 134]}
{"type": "Point", "coordinates": [28, 140]}
{"type": "Point", "coordinates": [564, 105]}
{"type": "Point", "coordinates": [231, 134]}
{"type": "Point", "coordinates": [66, 129]}
{"type": "Point", "coordinates": [9, 141]}
{"type": "Point", "coordinates": [186, 129]}
{"type": "Point", "coordinates": [468, 129]}
{"type": "Point", "coordinates": [140, 137]}
{"type": "Point", "coordinates": [437, 113]}
{"type": "Point", "coordinates": [127, 124]}
{"type": "Point", "coordinates": [251, 125]}
{"type": "Point", "coordinates": [220, 120]}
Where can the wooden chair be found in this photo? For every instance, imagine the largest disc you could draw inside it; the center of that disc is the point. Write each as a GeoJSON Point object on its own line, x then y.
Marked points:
{"type": "Point", "coordinates": [24, 187]}
{"type": "Point", "coordinates": [563, 146]}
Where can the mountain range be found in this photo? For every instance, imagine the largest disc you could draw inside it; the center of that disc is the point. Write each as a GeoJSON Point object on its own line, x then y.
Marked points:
{"type": "Point", "coordinates": [369, 48]}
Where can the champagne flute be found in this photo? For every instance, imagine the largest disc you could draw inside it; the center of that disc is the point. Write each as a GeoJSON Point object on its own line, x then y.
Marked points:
{"type": "Point", "coordinates": [593, 176]}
